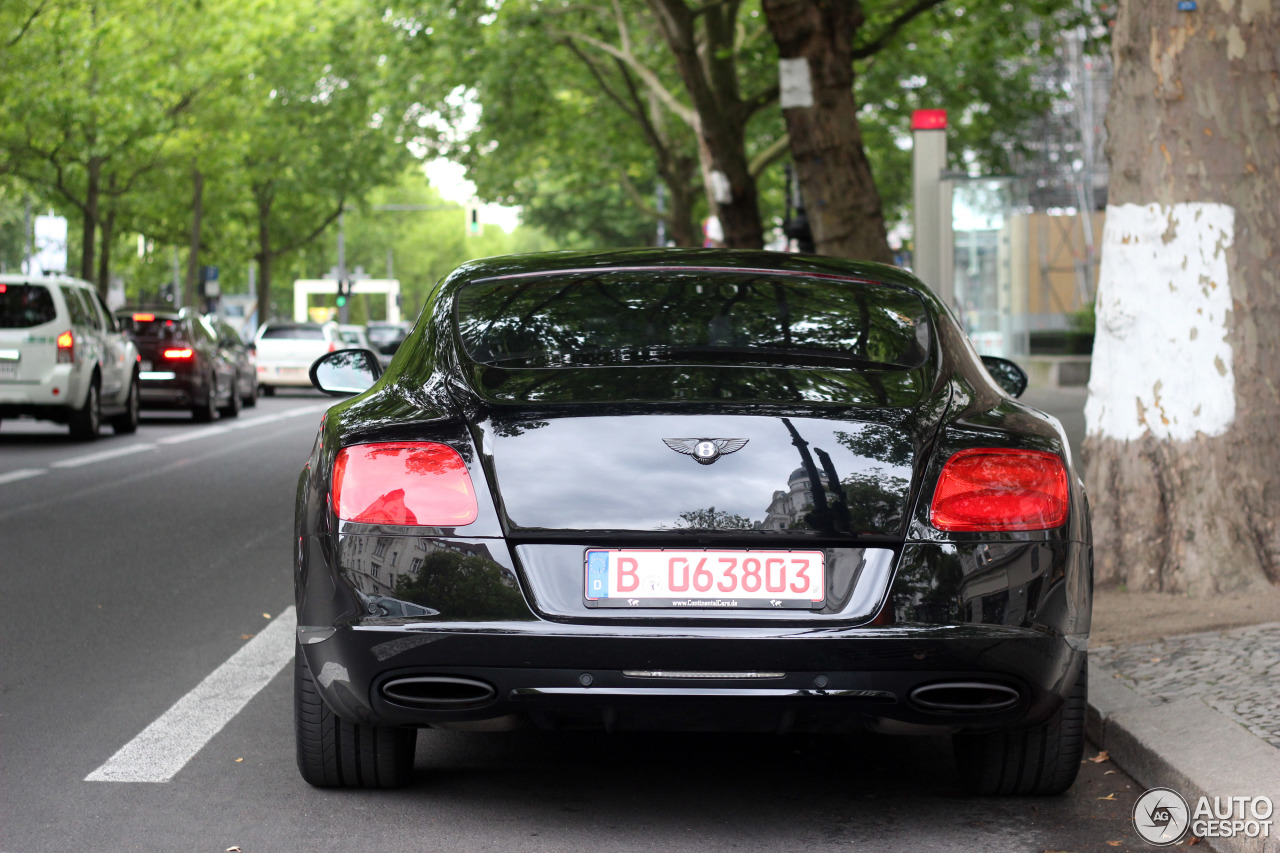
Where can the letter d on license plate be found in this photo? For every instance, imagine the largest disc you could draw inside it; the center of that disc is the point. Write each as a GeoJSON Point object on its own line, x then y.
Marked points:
{"type": "Point", "coordinates": [704, 579]}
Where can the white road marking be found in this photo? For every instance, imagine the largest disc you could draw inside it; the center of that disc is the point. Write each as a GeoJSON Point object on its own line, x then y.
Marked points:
{"type": "Point", "coordinates": [21, 474]}
{"type": "Point", "coordinates": [90, 458]}
{"type": "Point", "coordinates": [164, 747]}
{"type": "Point", "coordinates": [182, 438]}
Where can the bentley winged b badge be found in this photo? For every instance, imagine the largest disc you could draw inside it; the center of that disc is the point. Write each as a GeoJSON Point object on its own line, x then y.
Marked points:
{"type": "Point", "coordinates": [705, 450]}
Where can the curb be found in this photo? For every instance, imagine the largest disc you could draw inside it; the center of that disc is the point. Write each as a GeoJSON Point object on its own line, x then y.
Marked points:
{"type": "Point", "coordinates": [1184, 745]}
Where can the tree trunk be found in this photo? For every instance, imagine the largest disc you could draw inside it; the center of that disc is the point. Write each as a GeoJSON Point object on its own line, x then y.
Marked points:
{"type": "Point", "coordinates": [193, 297]}
{"type": "Point", "coordinates": [706, 66]}
{"type": "Point", "coordinates": [104, 254]}
{"type": "Point", "coordinates": [683, 231]}
{"type": "Point", "coordinates": [263, 256]}
{"type": "Point", "coordinates": [1182, 443]}
{"type": "Point", "coordinates": [839, 191]}
{"type": "Point", "coordinates": [89, 223]}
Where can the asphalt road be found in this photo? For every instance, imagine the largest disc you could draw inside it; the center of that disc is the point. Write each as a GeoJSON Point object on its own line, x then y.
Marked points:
{"type": "Point", "coordinates": [146, 586]}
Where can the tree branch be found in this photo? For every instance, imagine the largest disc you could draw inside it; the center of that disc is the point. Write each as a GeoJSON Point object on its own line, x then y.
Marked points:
{"type": "Point", "coordinates": [650, 79]}
{"type": "Point", "coordinates": [878, 44]}
{"type": "Point", "coordinates": [770, 155]}
{"type": "Point", "coordinates": [31, 19]}
{"type": "Point", "coordinates": [298, 244]}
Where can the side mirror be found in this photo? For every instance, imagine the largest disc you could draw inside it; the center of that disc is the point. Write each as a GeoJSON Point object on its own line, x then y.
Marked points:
{"type": "Point", "coordinates": [1009, 376]}
{"type": "Point", "coordinates": [345, 372]}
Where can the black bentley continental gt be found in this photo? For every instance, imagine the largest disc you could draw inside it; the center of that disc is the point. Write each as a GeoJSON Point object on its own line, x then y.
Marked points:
{"type": "Point", "coordinates": [689, 490]}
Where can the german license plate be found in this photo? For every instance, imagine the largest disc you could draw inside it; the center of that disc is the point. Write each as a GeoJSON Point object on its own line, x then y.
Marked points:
{"type": "Point", "coordinates": [8, 370]}
{"type": "Point", "coordinates": [704, 579]}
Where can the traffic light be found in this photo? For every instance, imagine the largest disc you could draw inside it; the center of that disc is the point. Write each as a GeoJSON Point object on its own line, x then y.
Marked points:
{"type": "Point", "coordinates": [344, 288]}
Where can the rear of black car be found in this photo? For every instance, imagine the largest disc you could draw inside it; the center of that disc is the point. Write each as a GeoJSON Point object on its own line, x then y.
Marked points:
{"type": "Point", "coordinates": [703, 497]}
{"type": "Point", "coordinates": [173, 370]}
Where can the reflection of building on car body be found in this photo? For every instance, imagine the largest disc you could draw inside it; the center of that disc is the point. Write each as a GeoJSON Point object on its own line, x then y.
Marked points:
{"type": "Point", "coordinates": [285, 352]}
{"type": "Point", "coordinates": [63, 357]}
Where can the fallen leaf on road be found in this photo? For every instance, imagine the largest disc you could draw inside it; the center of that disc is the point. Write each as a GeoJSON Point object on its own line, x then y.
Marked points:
{"type": "Point", "coordinates": [1108, 797]}
{"type": "Point", "coordinates": [238, 760]}
{"type": "Point", "coordinates": [1192, 840]}
{"type": "Point", "coordinates": [233, 850]}
{"type": "Point", "coordinates": [1101, 757]}
{"type": "Point", "coordinates": [1113, 843]}
{"type": "Point", "coordinates": [1155, 660]}
{"type": "Point", "coordinates": [1109, 772]}
{"type": "Point", "coordinates": [246, 636]}
{"type": "Point", "coordinates": [266, 615]}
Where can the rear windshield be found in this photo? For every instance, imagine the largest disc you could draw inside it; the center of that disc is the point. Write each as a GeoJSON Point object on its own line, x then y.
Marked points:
{"type": "Point", "coordinates": [294, 333]}
{"type": "Point", "coordinates": [159, 328]}
{"type": "Point", "coordinates": [691, 317]}
{"type": "Point", "coordinates": [25, 305]}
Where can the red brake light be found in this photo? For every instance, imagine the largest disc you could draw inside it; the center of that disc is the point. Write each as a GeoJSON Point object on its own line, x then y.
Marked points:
{"type": "Point", "coordinates": [179, 354]}
{"type": "Point", "coordinates": [66, 348]}
{"type": "Point", "coordinates": [3, 288]}
{"type": "Point", "coordinates": [404, 482]}
{"type": "Point", "coordinates": [992, 488]}
{"type": "Point", "coordinates": [333, 347]}
{"type": "Point", "coordinates": [143, 318]}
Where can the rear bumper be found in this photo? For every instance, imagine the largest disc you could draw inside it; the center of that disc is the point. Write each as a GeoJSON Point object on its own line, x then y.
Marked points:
{"type": "Point", "coordinates": [168, 390]}
{"type": "Point", "coordinates": [288, 375]}
{"type": "Point", "coordinates": [558, 676]}
{"type": "Point", "coordinates": [51, 397]}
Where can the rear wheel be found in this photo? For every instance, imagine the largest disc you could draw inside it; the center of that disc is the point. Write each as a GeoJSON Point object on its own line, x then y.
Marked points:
{"type": "Point", "coordinates": [333, 753]}
{"type": "Point", "coordinates": [127, 421]}
{"type": "Point", "coordinates": [232, 408]}
{"type": "Point", "coordinates": [252, 400]}
{"type": "Point", "coordinates": [268, 390]}
{"type": "Point", "coordinates": [207, 410]}
{"type": "Point", "coordinates": [1040, 760]}
{"type": "Point", "coordinates": [86, 420]}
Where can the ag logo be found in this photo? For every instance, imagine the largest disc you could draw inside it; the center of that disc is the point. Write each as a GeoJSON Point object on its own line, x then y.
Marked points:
{"type": "Point", "coordinates": [1161, 817]}
{"type": "Point", "coordinates": [705, 450]}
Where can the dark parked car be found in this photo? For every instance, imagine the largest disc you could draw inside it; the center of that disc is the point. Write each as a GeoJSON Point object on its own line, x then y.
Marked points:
{"type": "Point", "coordinates": [182, 364]}
{"type": "Point", "coordinates": [692, 490]}
{"type": "Point", "coordinates": [242, 354]}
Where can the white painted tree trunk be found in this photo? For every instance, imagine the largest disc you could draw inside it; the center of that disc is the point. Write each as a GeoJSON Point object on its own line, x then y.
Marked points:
{"type": "Point", "coordinates": [1183, 447]}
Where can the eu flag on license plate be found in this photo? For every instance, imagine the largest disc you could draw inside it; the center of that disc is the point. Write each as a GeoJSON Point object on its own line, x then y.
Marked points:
{"type": "Point", "coordinates": [597, 574]}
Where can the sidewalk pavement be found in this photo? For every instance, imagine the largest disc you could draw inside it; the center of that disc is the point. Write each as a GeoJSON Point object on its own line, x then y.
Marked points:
{"type": "Point", "coordinates": [1198, 713]}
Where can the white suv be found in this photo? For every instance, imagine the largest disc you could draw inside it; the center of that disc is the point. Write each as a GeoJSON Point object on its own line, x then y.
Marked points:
{"type": "Point", "coordinates": [285, 352]}
{"type": "Point", "coordinates": [63, 358]}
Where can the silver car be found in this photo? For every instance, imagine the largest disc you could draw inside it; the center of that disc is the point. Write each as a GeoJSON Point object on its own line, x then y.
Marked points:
{"type": "Point", "coordinates": [63, 357]}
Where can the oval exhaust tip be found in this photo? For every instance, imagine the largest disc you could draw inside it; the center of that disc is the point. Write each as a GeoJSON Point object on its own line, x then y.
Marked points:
{"type": "Point", "coordinates": [968, 697]}
{"type": "Point", "coordinates": [438, 691]}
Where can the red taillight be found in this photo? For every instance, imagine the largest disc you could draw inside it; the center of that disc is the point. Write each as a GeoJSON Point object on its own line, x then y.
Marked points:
{"type": "Point", "coordinates": [66, 348]}
{"type": "Point", "coordinates": [991, 488]}
{"type": "Point", "coordinates": [179, 354]}
{"type": "Point", "coordinates": [143, 318]}
{"type": "Point", "coordinates": [333, 347]}
{"type": "Point", "coordinates": [3, 288]}
{"type": "Point", "coordinates": [404, 482]}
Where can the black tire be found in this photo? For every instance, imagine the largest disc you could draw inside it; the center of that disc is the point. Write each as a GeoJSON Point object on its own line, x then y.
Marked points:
{"type": "Point", "coordinates": [127, 421]}
{"type": "Point", "coordinates": [208, 409]}
{"type": "Point", "coordinates": [1041, 760]}
{"type": "Point", "coordinates": [252, 399]}
{"type": "Point", "coordinates": [333, 753]}
{"type": "Point", "coordinates": [87, 420]}
{"type": "Point", "coordinates": [268, 390]}
{"type": "Point", "coordinates": [232, 408]}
